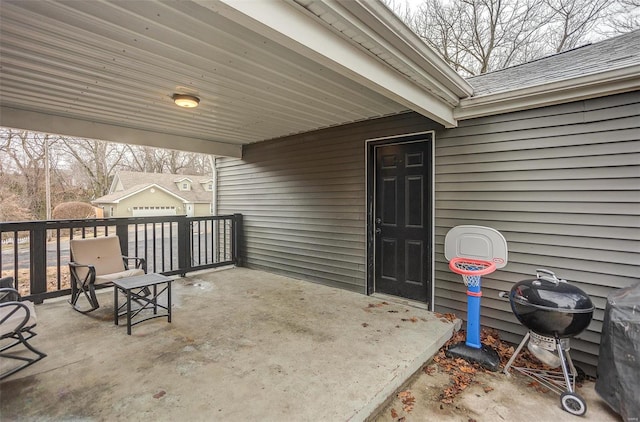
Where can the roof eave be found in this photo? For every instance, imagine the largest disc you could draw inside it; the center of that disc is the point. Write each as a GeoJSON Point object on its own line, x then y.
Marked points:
{"type": "Point", "coordinates": [601, 84]}
{"type": "Point", "coordinates": [299, 29]}
{"type": "Point", "coordinates": [137, 191]}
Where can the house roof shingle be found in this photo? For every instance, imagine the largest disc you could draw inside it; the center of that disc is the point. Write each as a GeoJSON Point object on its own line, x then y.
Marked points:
{"type": "Point", "coordinates": [132, 182]}
{"type": "Point", "coordinates": [617, 52]}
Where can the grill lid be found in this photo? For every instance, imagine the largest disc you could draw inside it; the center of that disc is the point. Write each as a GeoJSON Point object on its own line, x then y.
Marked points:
{"type": "Point", "coordinates": [547, 292]}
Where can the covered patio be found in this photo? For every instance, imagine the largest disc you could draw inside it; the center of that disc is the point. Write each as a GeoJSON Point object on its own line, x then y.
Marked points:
{"type": "Point", "coordinates": [242, 345]}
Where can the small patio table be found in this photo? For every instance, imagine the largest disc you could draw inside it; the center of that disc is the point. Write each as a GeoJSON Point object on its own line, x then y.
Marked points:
{"type": "Point", "coordinates": [143, 290]}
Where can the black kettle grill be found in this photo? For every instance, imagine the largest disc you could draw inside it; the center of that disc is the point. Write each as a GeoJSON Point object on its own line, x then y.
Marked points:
{"type": "Point", "coordinates": [553, 311]}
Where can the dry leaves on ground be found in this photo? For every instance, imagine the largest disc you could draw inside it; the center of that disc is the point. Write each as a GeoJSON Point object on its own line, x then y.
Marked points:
{"type": "Point", "coordinates": [412, 319]}
{"type": "Point", "coordinates": [462, 373]}
{"type": "Point", "coordinates": [446, 317]}
{"type": "Point", "coordinates": [407, 399]}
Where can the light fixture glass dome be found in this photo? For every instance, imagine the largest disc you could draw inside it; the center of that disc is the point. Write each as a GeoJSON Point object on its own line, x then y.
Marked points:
{"type": "Point", "coordinates": [187, 101]}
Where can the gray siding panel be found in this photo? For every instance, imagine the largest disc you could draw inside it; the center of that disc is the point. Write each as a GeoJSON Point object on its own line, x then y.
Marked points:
{"type": "Point", "coordinates": [562, 184]}
{"type": "Point", "coordinates": [303, 200]}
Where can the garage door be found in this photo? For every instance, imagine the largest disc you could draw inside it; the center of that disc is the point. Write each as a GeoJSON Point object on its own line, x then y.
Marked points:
{"type": "Point", "coordinates": [153, 211]}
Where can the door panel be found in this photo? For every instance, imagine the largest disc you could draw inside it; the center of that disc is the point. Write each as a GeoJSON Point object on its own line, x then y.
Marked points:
{"type": "Point", "coordinates": [402, 219]}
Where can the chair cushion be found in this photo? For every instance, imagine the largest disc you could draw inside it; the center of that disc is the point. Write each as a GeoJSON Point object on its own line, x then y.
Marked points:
{"type": "Point", "coordinates": [102, 252]}
{"type": "Point", "coordinates": [108, 278]}
{"type": "Point", "coordinates": [8, 326]}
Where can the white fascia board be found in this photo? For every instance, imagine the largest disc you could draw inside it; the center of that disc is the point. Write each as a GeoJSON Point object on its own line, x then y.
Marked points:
{"type": "Point", "coordinates": [420, 57]}
{"type": "Point", "coordinates": [114, 183]}
{"type": "Point", "coordinates": [65, 126]}
{"type": "Point", "coordinates": [149, 186]}
{"type": "Point", "coordinates": [287, 25]}
{"type": "Point", "coordinates": [576, 89]}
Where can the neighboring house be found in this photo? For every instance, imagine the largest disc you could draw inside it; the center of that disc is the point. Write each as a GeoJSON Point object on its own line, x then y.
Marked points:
{"type": "Point", "coordinates": [137, 194]}
{"type": "Point", "coordinates": [318, 105]}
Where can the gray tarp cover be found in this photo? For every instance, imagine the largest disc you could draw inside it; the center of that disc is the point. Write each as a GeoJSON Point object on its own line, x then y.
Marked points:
{"type": "Point", "coordinates": [618, 380]}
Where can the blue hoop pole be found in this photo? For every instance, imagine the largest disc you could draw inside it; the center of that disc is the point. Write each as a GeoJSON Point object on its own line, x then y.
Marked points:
{"type": "Point", "coordinates": [474, 293]}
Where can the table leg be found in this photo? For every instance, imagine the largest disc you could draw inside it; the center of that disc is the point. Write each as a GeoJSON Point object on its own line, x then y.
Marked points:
{"type": "Point", "coordinates": [115, 305]}
{"type": "Point", "coordinates": [169, 300]}
{"type": "Point", "coordinates": [155, 299]}
{"type": "Point", "coordinates": [129, 311]}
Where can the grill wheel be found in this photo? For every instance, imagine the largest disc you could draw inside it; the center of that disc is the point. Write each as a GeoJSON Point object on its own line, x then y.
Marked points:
{"type": "Point", "coordinates": [573, 403]}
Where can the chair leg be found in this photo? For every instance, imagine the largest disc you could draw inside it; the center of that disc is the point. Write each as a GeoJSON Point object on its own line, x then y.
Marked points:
{"type": "Point", "coordinates": [21, 339]}
{"type": "Point", "coordinates": [75, 293]}
{"type": "Point", "coordinates": [90, 295]}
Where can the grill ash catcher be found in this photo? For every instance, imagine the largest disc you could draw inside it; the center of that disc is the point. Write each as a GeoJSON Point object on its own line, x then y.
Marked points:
{"type": "Point", "coordinates": [474, 251]}
{"type": "Point", "coordinates": [553, 311]}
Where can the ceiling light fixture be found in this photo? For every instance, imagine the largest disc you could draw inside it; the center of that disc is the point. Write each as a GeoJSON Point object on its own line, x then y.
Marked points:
{"type": "Point", "coordinates": [187, 101]}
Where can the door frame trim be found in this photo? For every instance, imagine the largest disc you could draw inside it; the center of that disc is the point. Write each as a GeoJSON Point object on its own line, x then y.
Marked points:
{"type": "Point", "coordinates": [370, 171]}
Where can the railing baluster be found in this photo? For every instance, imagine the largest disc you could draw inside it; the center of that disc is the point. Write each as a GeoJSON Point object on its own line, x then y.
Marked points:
{"type": "Point", "coordinates": [59, 271]}
{"type": "Point", "coordinates": [171, 245]}
{"type": "Point", "coordinates": [162, 244]}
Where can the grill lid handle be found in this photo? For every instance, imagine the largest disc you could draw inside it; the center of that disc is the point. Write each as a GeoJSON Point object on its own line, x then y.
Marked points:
{"type": "Point", "coordinates": [547, 275]}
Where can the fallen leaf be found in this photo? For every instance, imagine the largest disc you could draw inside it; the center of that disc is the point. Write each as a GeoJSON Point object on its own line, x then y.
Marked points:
{"type": "Point", "coordinates": [487, 388]}
{"type": "Point", "coordinates": [364, 324]}
{"type": "Point", "coordinates": [412, 319]}
{"type": "Point", "coordinates": [394, 414]}
{"type": "Point", "coordinates": [159, 394]}
{"type": "Point", "coordinates": [407, 400]}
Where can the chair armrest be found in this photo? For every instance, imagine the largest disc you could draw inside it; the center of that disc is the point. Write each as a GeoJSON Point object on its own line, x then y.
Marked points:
{"type": "Point", "coordinates": [10, 320]}
{"type": "Point", "coordinates": [91, 273]}
{"type": "Point", "coordinates": [9, 294]}
{"type": "Point", "coordinates": [139, 262]}
{"type": "Point", "coordinates": [74, 265]}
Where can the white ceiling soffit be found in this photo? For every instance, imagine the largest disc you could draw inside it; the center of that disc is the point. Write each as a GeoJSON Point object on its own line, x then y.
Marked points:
{"type": "Point", "coordinates": [265, 69]}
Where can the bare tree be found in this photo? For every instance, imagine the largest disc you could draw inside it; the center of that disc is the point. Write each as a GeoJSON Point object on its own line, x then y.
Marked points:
{"type": "Point", "coordinates": [478, 36]}
{"type": "Point", "coordinates": [623, 17]}
{"type": "Point", "coordinates": [25, 155]}
{"type": "Point", "coordinates": [158, 160]}
{"type": "Point", "coordinates": [11, 207]}
{"type": "Point", "coordinates": [96, 160]}
{"type": "Point", "coordinates": [573, 20]}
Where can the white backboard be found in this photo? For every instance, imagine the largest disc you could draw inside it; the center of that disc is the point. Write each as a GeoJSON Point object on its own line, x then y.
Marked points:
{"type": "Point", "coordinates": [476, 242]}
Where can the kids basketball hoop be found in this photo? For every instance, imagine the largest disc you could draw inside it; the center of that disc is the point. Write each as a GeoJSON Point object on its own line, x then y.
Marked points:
{"type": "Point", "coordinates": [471, 269]}
{"type": "Point", "coordinates": [474, 251]}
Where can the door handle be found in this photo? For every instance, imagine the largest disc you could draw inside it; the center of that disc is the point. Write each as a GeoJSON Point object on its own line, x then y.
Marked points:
{"type": "Point", "coordinates": [378, 230]}
{"type": "Point", "coordinates": [378, 221]}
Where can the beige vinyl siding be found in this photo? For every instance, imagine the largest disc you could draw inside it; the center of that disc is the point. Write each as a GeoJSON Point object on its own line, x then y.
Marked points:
{"type": "Point", "coordinates": [562, 184]}
{"type": "Point", "coordinates": [303, 200]}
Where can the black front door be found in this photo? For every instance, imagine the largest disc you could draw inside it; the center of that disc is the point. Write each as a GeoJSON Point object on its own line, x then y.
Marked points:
{"type": "Point", "coordinates": [402, 219]}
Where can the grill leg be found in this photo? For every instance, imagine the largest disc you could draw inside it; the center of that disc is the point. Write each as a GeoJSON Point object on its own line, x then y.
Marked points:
{"type": "Point", "coordinates": [515, 353]}
{"type": "Point", "coordinates": [565, 369]}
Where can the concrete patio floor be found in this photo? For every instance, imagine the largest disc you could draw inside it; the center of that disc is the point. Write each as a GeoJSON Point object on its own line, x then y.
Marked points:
{"type": "Point", "coordinates": [243, 345]}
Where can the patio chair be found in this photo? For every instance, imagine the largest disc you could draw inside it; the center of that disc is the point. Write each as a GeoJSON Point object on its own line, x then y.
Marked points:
{"type": "Point", "coordinates": [96, 263]}
{"type": "Point", "coordinates": [17, 320]}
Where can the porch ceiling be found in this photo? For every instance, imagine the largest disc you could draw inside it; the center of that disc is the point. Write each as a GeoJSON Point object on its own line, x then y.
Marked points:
{"type": "Point", "coordinates": [262, 70]}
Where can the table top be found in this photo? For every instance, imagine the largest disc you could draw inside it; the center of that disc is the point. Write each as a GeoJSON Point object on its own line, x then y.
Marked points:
{"type": "Point", "coordinates": [141, 281]}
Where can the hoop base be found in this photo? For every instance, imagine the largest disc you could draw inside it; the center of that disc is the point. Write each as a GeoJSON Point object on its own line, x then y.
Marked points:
{"type": "Point", "coordinates": [485, 356]}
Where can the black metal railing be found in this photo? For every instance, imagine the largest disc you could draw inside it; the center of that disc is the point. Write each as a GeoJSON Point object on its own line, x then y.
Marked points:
{"type": "Point", "coordinates": [36, 253]}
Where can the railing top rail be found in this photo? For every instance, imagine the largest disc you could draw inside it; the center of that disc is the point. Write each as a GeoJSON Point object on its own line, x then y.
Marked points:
{"type": "Point", "coordinates": [98, 222]}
